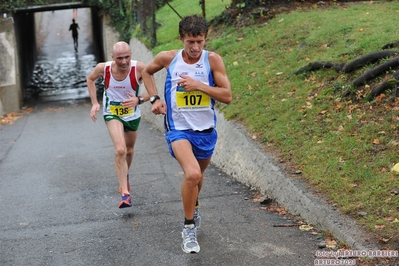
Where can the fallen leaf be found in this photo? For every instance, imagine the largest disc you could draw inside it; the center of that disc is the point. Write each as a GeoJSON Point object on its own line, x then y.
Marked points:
{"type": "Point", "coordinates": [389, 219]}
{"type": "Point", "coordinates": [379, 226]}
{"type": "Point", "coordinates": [330, 243]}
{"type": "Point", "coordinates": [385, 240]}
{"type": "Point", "coordinates": [323, 112]}
{"type": "Point", "coordinates": [10, 118]}
{"type": "Point", "coordinates": [395, 168]}
{"type": "Point", "coordinates": [305, 227]}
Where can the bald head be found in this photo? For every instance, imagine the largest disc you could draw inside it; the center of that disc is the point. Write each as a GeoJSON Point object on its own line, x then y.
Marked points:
{"type": "Point", "coordinates": [121, 54]}
{"type": "Point", "coordinates": [120, 47]}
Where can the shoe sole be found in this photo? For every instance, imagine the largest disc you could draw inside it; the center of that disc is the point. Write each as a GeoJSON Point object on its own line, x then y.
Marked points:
{"type": "Point", "coordinates": [125, 205]}
{"type": "Point", "coordinates": [190, 252]}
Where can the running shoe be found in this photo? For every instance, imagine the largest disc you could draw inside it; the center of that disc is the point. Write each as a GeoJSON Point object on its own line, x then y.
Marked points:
{"type": "Point", "coordinates": [197, 217]}
{"type": "Point", "coordinates": [125, 202]}
{"type": "Point", "coordinates": [189, 235]}
{"type": "Point", "coordinates": [128, 185]}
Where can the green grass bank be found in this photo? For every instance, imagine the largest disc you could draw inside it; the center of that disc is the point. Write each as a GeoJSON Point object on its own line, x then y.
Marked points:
{"type": "Point", "coordinates": [344, 147]}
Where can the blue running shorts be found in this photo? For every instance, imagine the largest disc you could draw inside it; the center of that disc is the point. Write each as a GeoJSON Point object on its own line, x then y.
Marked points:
{"type": "Point", "coordinates": [203, 142]}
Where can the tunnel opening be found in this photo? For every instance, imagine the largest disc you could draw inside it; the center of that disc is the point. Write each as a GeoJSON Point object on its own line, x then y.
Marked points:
{"type": "Point", "coordinates": [50, 68]}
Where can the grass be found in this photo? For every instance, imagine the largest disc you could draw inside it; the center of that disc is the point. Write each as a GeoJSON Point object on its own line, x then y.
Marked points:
{"type": "Point", "coordinates": [168, 33]}
{"type": "Point", "coordinates": [345, 147]}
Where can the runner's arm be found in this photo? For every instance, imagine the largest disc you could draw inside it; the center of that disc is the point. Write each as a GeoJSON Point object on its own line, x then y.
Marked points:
{"type": "Point", "coordinates": [140, 67]}
{"type": "Point", "coordinates": [97, 72]}
{"type": "Point", "coordinates": [161, 60]}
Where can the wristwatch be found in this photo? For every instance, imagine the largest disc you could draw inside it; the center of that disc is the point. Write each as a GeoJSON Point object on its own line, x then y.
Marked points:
{"type": "Point", "coordinates": [154, 98]}
{"type": "Point", "coordinates": [141, 100]}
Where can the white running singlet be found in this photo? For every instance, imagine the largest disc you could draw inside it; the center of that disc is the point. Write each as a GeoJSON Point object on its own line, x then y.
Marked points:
{"type": "Point", "coordinates": [116, 92]}
{"type": "Point", "coordinates": [189, 110]}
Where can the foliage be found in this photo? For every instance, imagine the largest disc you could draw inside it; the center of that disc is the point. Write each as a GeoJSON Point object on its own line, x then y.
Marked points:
{"type": "Point", "coordinates": [168, 20]}
{"type": "Point", "coordinates": [122, 13]}
{"type": "Point", "coordinates": [11, 5]}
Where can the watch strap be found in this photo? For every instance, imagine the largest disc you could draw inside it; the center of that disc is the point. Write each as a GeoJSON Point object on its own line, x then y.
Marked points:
{"type": "Point", "coordinates": [141, 100]}
{"type": "Point", "coordinates": [154, 98]}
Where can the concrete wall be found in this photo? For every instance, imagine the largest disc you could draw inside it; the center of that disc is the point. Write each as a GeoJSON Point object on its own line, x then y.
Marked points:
{"type": "Point", "coordinates": [110, 37]}
{"type": "Point", "coordinates": [10, 94]}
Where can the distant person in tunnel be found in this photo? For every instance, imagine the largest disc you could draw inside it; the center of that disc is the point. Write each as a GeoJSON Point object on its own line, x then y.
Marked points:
{"type": "Point", "coordinates": [121, 110]}
{"type": "Point", "coordinates": [74, 28]}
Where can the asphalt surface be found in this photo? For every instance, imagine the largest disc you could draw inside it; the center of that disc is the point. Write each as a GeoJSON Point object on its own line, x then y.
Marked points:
{"type": "Point", "coordinates": [59, 196]}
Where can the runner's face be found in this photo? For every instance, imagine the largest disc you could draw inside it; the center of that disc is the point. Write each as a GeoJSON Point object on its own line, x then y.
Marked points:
{"type": "Point", "coordinates": [122, 59]}
{"type": "Point", "coordinates": [193, 46]}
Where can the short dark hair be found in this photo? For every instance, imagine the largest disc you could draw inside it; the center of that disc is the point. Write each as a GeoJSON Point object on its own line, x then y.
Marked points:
{"type": "Point", "coordinates": [193, 25]}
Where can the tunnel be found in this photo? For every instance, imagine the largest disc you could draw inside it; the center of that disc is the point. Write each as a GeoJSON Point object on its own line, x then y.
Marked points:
{"type": "Point", "coordinates": [29, 44]}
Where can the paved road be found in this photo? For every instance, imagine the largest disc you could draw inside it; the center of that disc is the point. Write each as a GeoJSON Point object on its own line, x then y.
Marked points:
{"type": "Point", "coordinates": [59, 196]}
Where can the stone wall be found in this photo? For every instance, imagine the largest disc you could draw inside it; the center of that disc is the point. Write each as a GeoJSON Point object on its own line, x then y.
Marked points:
{"type": "Point", "coordinates": [110, 37]}
{"type": "Point", "coordinates": [10, 95]}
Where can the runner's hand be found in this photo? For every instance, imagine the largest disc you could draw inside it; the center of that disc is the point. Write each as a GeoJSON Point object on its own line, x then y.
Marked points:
{"type": "Point", "coordinates": [95, 108]}
{"type": "Point", "coordinates": [132, 101]}
{"type": "Point", "coordinates": [187, 83]}
{"type": "Point", "coordinates": [158, 108]}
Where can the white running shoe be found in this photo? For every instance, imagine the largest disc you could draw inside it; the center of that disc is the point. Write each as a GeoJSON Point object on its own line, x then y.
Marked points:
{"type": "Point", "coordinates": [189, 235]}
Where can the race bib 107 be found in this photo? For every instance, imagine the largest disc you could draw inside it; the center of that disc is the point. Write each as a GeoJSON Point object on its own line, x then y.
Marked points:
{"type": "Point", "coordinates": [192, 101]}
